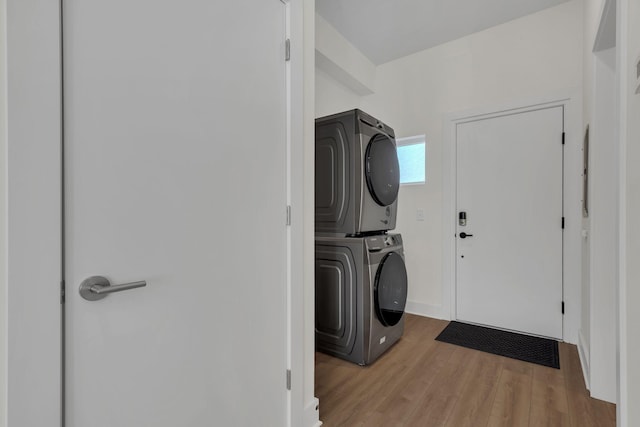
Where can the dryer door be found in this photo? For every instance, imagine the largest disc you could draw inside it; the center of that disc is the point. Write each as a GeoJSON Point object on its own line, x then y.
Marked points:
{"type": "Point", "coordinates": [382, 170]}
{"type": "Point", "coordinates": [390, 289]}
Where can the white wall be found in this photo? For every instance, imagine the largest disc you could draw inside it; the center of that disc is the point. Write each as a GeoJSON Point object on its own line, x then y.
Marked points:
{"type": "Point", "coordinates": [592, 9]}
{"type": "Point", "coordinates": [3, 219]}
{"type": "Point", "coordinates": [600, 110]}
{"type": "Point", "coordinates": [604, 230]}
{"type": "Point", "coordinates": [332, 96]}
{"type": "Point", "coordinates": [592, 14]}
{"type": "Point", "coordinates": [628, 347]}
{"type": "Point", "coordinates": [526, 58]}
{"type": "Point", "coordinates": [630, 291]}
{"type": "Point", "coordinates": [336, 56]}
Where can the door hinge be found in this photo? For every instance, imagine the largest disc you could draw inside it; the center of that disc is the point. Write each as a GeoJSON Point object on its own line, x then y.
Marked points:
{"type": "Point", "coordinates": [62, 292]}
{"type": "Point", "coordinates": [562, 138]}
{"type": "Point", "coordinates": [562, 307]}
{"type": "Point", "coordinates": [563, 223]}
{"type": "Point", "coordinates": [287, 50]}
{"type": "Point", "coordinates": [288, 379]}
{"type": "Point", "coordinates": [288, 214]}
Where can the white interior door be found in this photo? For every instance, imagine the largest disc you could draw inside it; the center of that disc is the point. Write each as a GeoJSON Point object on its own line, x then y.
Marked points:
{"type": "Point", "coordinates": [175, 130]}
{"type": "Point", "coordinates": [509, 184]}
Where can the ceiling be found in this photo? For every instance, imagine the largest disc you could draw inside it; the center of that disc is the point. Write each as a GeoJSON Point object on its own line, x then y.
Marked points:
{"type": "Point", "coordinates": [384, 30]}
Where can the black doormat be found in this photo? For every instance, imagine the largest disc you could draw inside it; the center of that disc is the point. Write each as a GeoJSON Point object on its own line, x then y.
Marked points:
{"type": "Point", "coordinates": [509, 344]}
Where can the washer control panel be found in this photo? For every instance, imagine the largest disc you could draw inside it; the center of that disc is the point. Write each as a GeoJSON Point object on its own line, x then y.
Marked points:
{"type": "Point", "coordinates": [377, 243]}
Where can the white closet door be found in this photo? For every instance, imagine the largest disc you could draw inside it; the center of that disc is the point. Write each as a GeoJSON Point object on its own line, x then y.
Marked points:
{"type": "Point", "coordinates": [175, 130]}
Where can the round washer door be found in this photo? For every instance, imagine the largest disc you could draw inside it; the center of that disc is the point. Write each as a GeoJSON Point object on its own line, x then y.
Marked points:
{"type": "Point", "coordinates": [390, 289]}
{"type": "Point", "coordinates": [382, 170]}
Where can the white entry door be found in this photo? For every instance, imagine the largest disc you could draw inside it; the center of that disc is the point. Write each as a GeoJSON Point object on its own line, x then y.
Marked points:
{"type": "Point", "coordinates": [509, 253]}
{"type": "Point", "coordinates": [176, 174]}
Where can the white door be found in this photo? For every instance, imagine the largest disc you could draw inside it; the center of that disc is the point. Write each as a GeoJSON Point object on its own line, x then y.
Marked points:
{"type": "Point", "coordinates": [175, 132]}
{"type": "Point", "coordinates": [509, 253]}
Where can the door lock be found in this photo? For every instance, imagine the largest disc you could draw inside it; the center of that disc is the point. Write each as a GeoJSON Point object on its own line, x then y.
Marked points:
{"type": "Point", "coordinates": [462, 219]}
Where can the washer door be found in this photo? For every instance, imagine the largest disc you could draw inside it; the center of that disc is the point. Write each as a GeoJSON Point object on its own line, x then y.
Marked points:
{"type": "Point", "coordinates": [382, 170]}
{"type": "Point", "coordinates": [390, 289]}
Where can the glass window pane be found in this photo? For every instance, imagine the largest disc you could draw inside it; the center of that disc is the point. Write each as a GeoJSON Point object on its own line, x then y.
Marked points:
{"type": "Point", "coordinates": [412, 163]}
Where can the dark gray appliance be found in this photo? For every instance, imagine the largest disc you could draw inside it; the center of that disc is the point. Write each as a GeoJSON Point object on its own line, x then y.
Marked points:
{"type": "Point", "coordinates": [357, 174]}
{"type": "Point", "coordinates": [361, 292]}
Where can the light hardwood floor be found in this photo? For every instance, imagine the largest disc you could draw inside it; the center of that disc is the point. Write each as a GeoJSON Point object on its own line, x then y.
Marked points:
{"type": "Point", "coordinates": [423, 382]}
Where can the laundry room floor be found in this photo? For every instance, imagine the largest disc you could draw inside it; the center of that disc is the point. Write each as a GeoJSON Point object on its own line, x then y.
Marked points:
{"type": "Point", "coordinates": [423, 382]}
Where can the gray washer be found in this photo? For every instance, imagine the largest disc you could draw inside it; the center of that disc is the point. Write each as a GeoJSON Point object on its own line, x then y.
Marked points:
{"type": "Point", "coordinates": [361, 293]}
{"type": "Point", "coordinates": [357, 174]}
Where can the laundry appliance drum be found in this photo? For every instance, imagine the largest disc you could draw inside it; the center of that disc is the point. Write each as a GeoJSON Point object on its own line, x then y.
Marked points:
{"type": "Point", "coordinates": [390, 289]}
{"type": "Point", "coordinates": [382, 170]}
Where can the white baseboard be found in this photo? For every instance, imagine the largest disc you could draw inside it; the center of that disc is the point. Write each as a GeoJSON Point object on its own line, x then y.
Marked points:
{"type": "Point", "coordinates": [312, 414]}
{"type": "Point", "coordinates": [426, 310]}
{"type": "Point", "coordinates": [583, 353]}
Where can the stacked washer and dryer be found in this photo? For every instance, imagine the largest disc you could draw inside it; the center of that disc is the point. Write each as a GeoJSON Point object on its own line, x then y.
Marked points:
{"type": "Point", "coordinates": [360, 275]}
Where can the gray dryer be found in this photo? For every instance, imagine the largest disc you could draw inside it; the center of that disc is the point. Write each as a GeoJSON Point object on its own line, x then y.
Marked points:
{"type": "Point", "coordinates": [361, 293]}
{"type": "Point", "coordinates": [357, 174]}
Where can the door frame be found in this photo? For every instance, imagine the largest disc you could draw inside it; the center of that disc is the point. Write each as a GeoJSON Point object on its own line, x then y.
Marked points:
{"type": "Point", "coordinates": [35, 316]}
{"type": "Point", "coordinates": [571, 100]}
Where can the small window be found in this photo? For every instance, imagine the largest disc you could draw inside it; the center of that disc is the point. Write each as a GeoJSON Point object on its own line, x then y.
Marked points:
{"type": "Point", "coordinates": [411, 156]}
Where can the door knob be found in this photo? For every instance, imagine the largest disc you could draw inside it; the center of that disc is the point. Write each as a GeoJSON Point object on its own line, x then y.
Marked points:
{"type": "Point", "coordinates": [464, 235]}
{"type": "Point", "coordinates": [97, 287]}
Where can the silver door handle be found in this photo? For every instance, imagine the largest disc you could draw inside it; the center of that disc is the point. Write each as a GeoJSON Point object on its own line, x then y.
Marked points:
{"type": "Point", "coordinates": [97, 287]}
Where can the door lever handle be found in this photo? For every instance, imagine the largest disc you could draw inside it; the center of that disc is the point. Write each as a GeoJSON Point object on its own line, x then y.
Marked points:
{"type": "Point", "coordinates": [97, 287]}
{"type": "Point", "coordinates": [464, 235]}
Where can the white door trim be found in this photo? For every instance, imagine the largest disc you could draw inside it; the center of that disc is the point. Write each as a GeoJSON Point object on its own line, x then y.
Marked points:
{"type": "Point", "coordinates": [297, 232]}
{"type": "Point", "coordinates": [34, 213]}
{"type": "Point", "coordinates": [571, 100]}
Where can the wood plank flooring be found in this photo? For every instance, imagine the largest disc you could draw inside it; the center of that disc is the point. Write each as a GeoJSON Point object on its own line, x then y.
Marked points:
{"type": "Point", "coordinates": [423, 382]}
